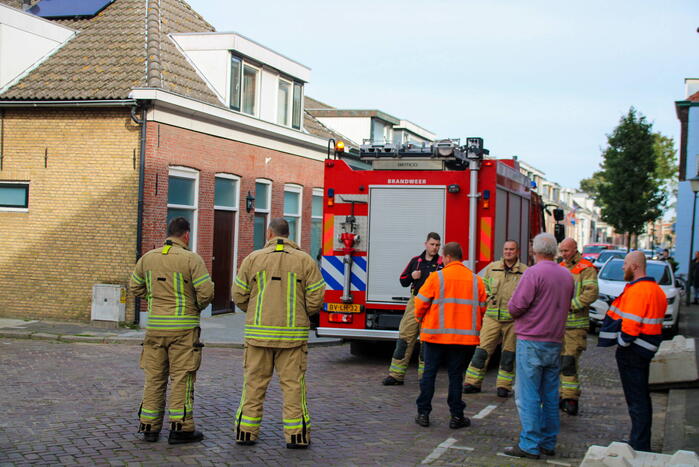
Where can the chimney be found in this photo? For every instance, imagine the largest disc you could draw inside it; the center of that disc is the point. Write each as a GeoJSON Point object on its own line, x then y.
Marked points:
{"type": "Point", "coordinates": [691, 86]}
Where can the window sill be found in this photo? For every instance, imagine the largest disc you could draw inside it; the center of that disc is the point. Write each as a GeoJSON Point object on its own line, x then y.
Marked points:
{"type": "Point", "coordinates": [2, 209]}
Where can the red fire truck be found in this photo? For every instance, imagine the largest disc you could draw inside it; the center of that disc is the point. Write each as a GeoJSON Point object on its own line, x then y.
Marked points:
{"type": "Point", "coordinates": [375, 220]}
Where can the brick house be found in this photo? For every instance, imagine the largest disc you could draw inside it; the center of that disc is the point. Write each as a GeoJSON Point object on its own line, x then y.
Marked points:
{"type": "Point", "coordinates": [110, 125]}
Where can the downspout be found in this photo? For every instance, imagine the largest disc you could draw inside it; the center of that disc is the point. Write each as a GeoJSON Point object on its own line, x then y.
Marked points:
{"type": "Point", "coordinates": [473, 166]}
{"type": "Point", "coordinates": [141, 178]}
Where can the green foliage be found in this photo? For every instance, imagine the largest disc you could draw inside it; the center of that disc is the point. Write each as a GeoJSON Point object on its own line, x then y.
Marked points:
{"type": "Point", "coordinates": [629, 187]}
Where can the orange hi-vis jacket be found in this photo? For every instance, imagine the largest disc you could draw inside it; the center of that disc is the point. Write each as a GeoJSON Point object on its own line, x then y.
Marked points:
{"type": "Point", "coordinates": [636, 317]}
{"type": "Point", "coordinates": [451, 305]}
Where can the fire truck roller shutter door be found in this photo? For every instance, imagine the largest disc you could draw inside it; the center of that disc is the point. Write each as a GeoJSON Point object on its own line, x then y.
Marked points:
{"type": "Point", "coordinates": [394, 233]}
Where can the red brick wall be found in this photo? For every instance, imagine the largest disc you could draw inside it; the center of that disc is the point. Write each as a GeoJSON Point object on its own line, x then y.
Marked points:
{"type": "Point", "coordinates": [172, 146]}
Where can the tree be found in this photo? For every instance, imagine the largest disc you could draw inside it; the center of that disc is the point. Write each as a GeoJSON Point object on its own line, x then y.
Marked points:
{"type": "Point", "coordinates": [667, 169]}
{"type": "Point", "coordinates": [629, 189]}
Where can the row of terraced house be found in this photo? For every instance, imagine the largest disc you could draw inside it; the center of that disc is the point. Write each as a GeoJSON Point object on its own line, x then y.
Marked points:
{"type": "Point", "coordinates": [111, 125]}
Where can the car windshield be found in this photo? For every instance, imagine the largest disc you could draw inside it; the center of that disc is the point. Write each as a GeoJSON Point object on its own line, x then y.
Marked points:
{"type": "Point", "coordinates": [660, 272]}
{"type": "Point", "coordinates": [594, 248]}
{"type": "Point", "coordinates": [605, 255]}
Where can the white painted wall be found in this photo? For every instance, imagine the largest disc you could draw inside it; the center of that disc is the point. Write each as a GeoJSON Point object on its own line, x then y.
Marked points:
{"type": "Point", "coordinates": [355, 128]}
{"type": "Point", "coordinates": [25, 41]}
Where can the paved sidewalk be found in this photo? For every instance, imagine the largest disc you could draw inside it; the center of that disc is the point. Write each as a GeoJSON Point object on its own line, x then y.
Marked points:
{"type": "Point", "coordinates": [217, 331]}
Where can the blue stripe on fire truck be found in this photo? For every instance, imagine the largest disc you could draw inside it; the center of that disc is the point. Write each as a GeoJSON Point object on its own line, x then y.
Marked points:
{"type": "Point", "coordinates": [333, 269]}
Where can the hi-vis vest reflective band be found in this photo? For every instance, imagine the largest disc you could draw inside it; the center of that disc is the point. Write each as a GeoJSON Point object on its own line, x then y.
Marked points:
{"type": "Point", "coordinates": [635, 318]}
{"type": "Point", "coordinates": [578, 316]}
{"type": "Point", "coordinates": [448, 333]}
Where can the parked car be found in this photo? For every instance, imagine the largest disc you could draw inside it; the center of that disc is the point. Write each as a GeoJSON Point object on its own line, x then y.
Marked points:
{"type": "Point", "coordinates": [612, 283]}
{"type": "Point", "coordinates": [592, 250]}
{"type": "Point", "coordinates": [606, 255]}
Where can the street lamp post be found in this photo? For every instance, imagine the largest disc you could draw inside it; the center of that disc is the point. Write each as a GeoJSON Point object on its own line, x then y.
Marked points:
{"type": "Point", "coordinates": [694, 183]}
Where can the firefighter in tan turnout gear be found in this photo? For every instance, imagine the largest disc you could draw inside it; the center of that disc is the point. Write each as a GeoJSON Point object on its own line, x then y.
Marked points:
{"type": "Point", "coordinates": [501, 279]}
{"type": "Point", "coordinates": [177, 286]}
{"type": "Point", "coordinates": [578, 322]}
{"type": "Point", "coordinates": [279, 287]}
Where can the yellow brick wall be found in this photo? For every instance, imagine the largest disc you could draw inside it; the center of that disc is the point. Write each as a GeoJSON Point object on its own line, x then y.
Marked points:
{"type": "Point", "coordinates": [81, 226]}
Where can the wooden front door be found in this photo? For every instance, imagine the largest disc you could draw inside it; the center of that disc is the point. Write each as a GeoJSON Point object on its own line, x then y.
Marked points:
{"type": "Point", "coordinates": [222, 264]}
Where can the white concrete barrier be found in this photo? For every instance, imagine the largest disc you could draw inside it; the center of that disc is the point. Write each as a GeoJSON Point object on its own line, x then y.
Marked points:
{"type": "Point", "coordinates": [622, 455]}
{"type": "Point", "coordinates": [674, 362]}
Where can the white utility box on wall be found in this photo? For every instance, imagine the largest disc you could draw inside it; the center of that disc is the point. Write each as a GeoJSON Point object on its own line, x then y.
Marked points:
{"type": "Point", "coordinates": [108, 302]}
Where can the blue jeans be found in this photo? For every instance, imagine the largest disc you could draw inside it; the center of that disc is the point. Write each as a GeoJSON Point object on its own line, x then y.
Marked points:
{"type": "Point", "coordinates": [536, 394]}
{"type": "Point", "coordinates": [456, 358]}
{"type": "Point", "coordinates": [633, 372]}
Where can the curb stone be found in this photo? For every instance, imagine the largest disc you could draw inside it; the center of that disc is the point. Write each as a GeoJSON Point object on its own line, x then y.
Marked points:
{"type": "Point", "coordinates": [12, 334]}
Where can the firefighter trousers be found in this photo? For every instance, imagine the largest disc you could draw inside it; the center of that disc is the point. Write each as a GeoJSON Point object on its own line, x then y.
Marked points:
{"type": "Point", "coordinates": [175, 357]}
{"type": "Point", "coordinates": [574, 343]}
{"type": "Point", "coordinates": [493, 332]}
{"type": "Point", "coordinates": [290, 365]}
{"type": "Point", "coordinates": [408, 332]}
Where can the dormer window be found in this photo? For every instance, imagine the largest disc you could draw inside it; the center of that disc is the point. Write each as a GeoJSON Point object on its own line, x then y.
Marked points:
{"type": "Point", "coordinates": [244, 86]}
{"type": "Point", "coordinates": [289, 99]}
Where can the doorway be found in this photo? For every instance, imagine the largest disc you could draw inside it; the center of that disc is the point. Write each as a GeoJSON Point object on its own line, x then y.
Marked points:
{"type": "Point", "coordinates": [222, 261]}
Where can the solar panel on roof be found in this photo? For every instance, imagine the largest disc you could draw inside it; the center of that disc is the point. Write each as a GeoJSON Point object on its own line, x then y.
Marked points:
{"type": "Point", "coordinates": [69, 8]}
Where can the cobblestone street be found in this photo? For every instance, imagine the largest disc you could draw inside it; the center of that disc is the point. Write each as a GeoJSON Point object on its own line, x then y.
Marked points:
{"type": "Point", "coordinates": [77, 404]}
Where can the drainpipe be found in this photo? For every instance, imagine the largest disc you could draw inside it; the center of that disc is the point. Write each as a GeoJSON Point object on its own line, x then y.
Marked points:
{"type": "Point", "coordinates": [141, 177]}
{"type": "Point", "coordinates": [473, 166]}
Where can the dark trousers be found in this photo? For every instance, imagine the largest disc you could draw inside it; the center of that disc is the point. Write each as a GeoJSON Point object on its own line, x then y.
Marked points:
{"type": "Point", "coordinates": [633, 371]}
{"type": "Point", "coordinates": [457, 358]}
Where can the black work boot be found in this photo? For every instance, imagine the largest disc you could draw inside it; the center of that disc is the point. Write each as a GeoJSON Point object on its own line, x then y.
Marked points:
{"type": "Point", "coordinates": [391, 381]}
{"type": "Point", "coordinates": [471, 389]}
{"type": "Point", "coordinates": [298, 442]}
{"type": "Point", "coordinates": [569, 406]}
{"type": "Point", "coordinates": [459, 422]}
{"type": "Point", "coordinates": [422, 419]}
{"type": "Point", "coordinates": [148, 435]}
{"type": "Point", "coordinates": [183, 437]}
{"type": "Point", "coordinates": [503, 392]}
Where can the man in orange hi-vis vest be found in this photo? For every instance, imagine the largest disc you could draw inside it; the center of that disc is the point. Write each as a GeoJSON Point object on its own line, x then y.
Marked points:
{"type": "Point", "coordinates": [634, 323]}
{"type": "Point", "coordinates": [450, 306]}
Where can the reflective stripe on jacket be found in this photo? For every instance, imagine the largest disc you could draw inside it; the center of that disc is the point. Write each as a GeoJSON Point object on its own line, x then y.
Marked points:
{"type": "Point", "coordinates": [500, 284]}
{"type": "Point", "coordinates": [279, 287]}
{"type": "Point", "coordinates": [451, 305]}
{"type": "Point", "coordinates": [586, 291]}
{"type": "Point", "coordinates": [176, 285]}
{"type": "Point", "coordinates": [635, 318]}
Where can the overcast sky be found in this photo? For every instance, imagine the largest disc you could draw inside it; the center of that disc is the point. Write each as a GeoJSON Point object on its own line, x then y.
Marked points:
{"type": "Point", "coordinates": [544, 80]}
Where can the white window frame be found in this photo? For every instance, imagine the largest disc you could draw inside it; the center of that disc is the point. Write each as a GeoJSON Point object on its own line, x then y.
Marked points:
{"type": "Point", "coordinates": [289, 102]}
{"type": "Point", "coordinates": [14, 209]}
{"type": "Point", "coordinates": [295, 188]}
{"type": "Point", "coordinates": [267, 210]}
{"type": "Point", "coordinates": [320, 193]}
{"type": "Point", "coordinates": [236, 178]}
{"type": "Point", "coordinates": [303, 93]}
{"type": "Point", "coordinates": [237, 216]}
{"type": "Point", "coordinates": [186, 172]}
{"type": "Point", "coordinates": [258, 73]}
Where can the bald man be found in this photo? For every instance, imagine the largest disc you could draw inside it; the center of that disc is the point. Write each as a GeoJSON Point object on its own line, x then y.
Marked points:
{"type": "Point", "coordinates": [634, 323]}
{"type": "Point", "coordinates": [577, 324]}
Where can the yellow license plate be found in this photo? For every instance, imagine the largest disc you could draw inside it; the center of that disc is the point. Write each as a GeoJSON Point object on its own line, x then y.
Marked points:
{"type": "Point", "coordinates": [344, 308]}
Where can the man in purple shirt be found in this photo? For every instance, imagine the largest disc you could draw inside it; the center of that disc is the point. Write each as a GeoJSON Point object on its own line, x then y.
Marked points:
{"type": "Point", "coordinates": [539, 307]}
